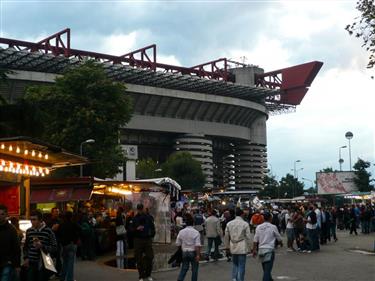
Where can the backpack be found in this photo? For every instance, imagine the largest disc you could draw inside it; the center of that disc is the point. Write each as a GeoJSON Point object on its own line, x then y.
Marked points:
{"type": "Point", "coordinates": [313, 218]}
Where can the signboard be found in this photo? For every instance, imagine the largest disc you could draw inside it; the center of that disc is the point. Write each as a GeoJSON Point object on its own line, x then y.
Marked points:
{"type": "Point", "coordinates": [10, 197]}
{"type": "Point", "coordinates": [335, 182]}
{"type": "Point", "coordinates": [131, 151]}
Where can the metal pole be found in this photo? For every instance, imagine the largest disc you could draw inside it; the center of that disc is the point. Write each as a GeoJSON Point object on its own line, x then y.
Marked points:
{"type": "Point", "coordinates": [350, 156]}
{"type": "Point", "coordinates": [81, 166]}
{"type": "Point", "coordinates": [340, 159]}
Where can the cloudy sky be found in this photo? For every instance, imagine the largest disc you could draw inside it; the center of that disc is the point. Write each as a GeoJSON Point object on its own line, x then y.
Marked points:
{"type": "Point", "coordinates": [271, 34]}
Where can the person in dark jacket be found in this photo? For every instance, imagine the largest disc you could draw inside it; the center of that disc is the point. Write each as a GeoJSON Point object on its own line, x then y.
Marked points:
{"type": "Point", "coordinates": [68, 234]}
{"type": "Point", "coordinates": [144, 231]}
{"type": "Point", "coordinates": [39, 238]}
{"type": "Point", "coordinates": [10, 251]}
{"type": "Point", "coordinates": [120, 233]}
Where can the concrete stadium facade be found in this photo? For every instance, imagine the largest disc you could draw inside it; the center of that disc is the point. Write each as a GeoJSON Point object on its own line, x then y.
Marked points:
{"type": "Point", "coordinates": [222, 124]}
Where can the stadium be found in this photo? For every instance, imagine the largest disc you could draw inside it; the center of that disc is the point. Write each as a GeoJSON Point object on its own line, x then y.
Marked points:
{"type": "Point", "coordinates": [217, 110]}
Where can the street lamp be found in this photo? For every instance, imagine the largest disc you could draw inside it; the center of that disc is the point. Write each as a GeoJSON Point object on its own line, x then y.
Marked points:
{"type": "Point", "coordinates": [349, 136]}
{"type": "Point", "coordinates": [340, 159]}
{"type": "Point", "coordinates": [81, 153]}
{"type": "Point", "coordinates": [295, 171]}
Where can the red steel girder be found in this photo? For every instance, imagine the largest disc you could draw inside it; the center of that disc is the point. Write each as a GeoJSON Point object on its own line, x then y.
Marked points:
{"type": "Point", "coordinates": [58, 44]}
{"type": "Point", "coordinates": [292, 81]}
{"type": "Point", "coordinates": [216, 71]}
{"type": "Point", "coordinates": [145, 60]}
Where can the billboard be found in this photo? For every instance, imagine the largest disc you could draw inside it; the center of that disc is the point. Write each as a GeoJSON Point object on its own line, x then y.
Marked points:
{"type": "Point", "coordinates": [335, 182]}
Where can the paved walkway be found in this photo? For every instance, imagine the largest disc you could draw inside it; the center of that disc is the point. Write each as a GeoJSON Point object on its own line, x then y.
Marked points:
{"type": "Point", "coordinates": [347, 259]}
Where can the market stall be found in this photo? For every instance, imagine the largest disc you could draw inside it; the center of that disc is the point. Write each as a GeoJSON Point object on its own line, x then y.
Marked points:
{"type": "Point", "coordinates": [22, 158]}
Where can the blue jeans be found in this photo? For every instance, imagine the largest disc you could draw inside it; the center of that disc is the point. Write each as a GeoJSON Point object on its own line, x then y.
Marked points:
{"type": "Point", "coordinates": [267, 268]}
{"type": "Point", "coordinates": [7, 273]}
{"type": "Point", "coordinates": [238, 270]}
{"type": "Point", "coordinates": [68, 259]}
{"type": "Point", "coordinates": [187, 259]}
{"type": "Point", "coordinates": [209, 247]}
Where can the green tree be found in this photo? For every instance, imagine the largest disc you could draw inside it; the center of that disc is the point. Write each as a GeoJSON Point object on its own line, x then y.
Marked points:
{"type": "Point", "coordinates": [187, 171]}
{"type": "Point", "coordinates": [364, 27]}
{"type": "Point", "coordinates": [290, 186]}
{"type": "Point", "coordinates": [362, 179]}
{"type": "Point", "coordinates": [271, 187]}
{"type": "Point", "coordinates": [82, 104]}
{"type": "Point", "coordinates": [327, 170]}
{"type": "Point", "coordinates": [148, 169]}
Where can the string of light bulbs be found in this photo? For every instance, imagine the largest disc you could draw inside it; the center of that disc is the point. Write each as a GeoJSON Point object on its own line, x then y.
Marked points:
{"type": "Point", "coordinates": [26, 152]}
{"type": "Point", "coordinates": [23, 169]}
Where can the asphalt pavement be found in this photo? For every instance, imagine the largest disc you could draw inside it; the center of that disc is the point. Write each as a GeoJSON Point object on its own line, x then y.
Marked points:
{"type": "Point", "coordinates": [350, 258]}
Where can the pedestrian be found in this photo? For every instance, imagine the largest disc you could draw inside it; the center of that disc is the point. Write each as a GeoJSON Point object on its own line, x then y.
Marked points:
{"type": "Point", "coordinates": [88, 237]}
{"type": "Point", "coordinates": [312, 230]}
{"type": "Point", "coordinates": [199, 224]}
{"type": "Point", "coordinates": [189, 241]}
{"type": "Point", "coordinates": [144, 232]}
{"type": "Point", "coordinates": [213, 233]}
{"type": "Point", "coordinates": [39, 238]}
{"type": "Point", "coordinates": [290, 233]}
{"type": "Point", "coordinates": [238, 242]}
{"type": "Point", "coordinates": [265, 239]}
{"type": "Point", "coordinates": [10, 251]}
{"type": "Point", "coordinates": [53, 221]}
{"type": "Point", "coordinates": [353, 221]}
{"type": "Point", "coordinates": [120, 233]}
{"type": "Point", "coordinates": [68, 234]}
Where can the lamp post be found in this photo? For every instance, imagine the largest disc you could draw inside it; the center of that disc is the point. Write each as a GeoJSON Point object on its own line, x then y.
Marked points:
{"type": "Point", "coordinates": [81, 153]}
{"type": "Point", "coordinates": [340, 159]}
{"type": "Point", "coordinates": [349, 136]}
{"type": "Point", "coordinates": [312, 183]}
{"type": "Point", "coordinates": [295, 164]}
{"type": "Point", "coordinates": [295, 175]}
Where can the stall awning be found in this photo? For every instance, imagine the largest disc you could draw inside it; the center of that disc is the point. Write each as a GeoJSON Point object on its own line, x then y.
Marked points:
{"type": "Point", "coordinates": [60, 194]}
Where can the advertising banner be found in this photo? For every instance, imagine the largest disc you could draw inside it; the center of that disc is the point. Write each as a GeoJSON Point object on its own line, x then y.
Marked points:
{"type": "Point", "coordinates": [335, 182]}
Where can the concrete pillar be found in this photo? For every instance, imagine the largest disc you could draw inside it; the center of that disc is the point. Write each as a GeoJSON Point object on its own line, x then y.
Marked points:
{"type": "Point", "coordinates": [201, 149]}
{"type": "Point", "coordinates": [246, 75]}
{"type": "Point", "coordinates": [229, 173]}
{"type": "Point", "coordinates": [251, 165]}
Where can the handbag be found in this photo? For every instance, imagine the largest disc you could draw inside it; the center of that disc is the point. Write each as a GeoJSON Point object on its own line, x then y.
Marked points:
{"type": "Point", "coordinates": [48, 262]}
{"type": "Point", "coordinates": [120, 230]}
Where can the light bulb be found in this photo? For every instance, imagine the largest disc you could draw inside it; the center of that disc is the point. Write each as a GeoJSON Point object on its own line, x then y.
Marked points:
{"type": "Point", "coordinates": [40, 155]}
{"type": "Point", "coordinates": [2, 163]}
{"type": "Point", "coordinates": [33, 153]}
{"type": "Point", "coordinates": [26, 152]}
{"type": "Point", "coordinates": [46, 156]}
{"type": "Point", "coordinates": [18, 150]}
{"type": "Point", "coordinates": [10, 148]}
{"type": "Point", "coordinates": [2, 146]}
{"type": "Point", "coordinates": [47, 171]}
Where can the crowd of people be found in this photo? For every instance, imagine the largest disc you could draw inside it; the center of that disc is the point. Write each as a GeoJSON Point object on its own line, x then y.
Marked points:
{"type": "Point", "coordinates": [306, 227]}
{"type": "Point", "coordinates": [57, 239]}
{"type": "Point", "coordinates": [200, 232]}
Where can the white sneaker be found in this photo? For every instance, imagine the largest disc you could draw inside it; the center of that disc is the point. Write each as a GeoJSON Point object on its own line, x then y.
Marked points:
{"type": "Point", "coordinates": [141, 279]}
{"type": "Point", "coordinates": [150, 279]}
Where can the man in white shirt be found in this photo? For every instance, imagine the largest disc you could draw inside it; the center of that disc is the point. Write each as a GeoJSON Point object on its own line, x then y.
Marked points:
{"type": "Point", "coordinates": [313, 229]}
{"type": "Point", "coordinates": [265, 239]}
{"type": "Point", "coordinates": [238, 241]}
{"type": "Point", "coordinates": [290, 229]}
{"type": "Point", "coordinates": [189, 241]}
{"type": "Point", "coordinates": [213, 233]}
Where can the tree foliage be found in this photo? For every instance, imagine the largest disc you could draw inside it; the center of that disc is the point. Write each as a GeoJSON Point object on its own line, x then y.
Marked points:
{"type": "Point", "coordinates": [271, 187]}
{"type": "Point", "coordinates": [187, 171]}
{"type": "Point", "coordinates": [290, 186]}
{"type": "Point", "coordinates": [148, 169]}
{"type": "Point", "coordinates": [82, 104]}
{"type": "Point", "coordinates": [362, 179]}
{"type": "Point", "coordinates": [364, 27]}
{"type": "Point", "coordinates": [328, 170]}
